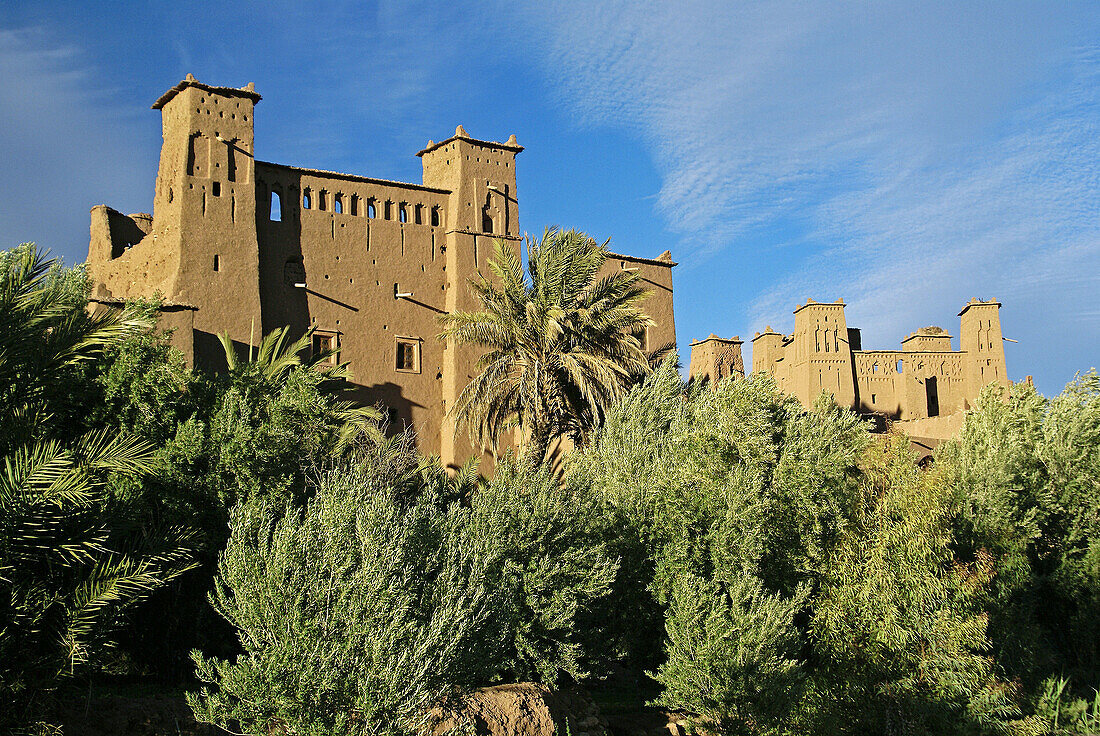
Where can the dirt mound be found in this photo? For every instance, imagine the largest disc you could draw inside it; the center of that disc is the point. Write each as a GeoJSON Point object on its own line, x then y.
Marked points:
{"type": "Point", "coordinates": [524, 709]}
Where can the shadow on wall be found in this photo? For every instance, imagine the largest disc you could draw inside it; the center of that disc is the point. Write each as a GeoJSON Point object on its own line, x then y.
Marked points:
{"type": "Point", "coordinates": [390, 397]}
{"type": "Point", "coordinates": [210, 355]}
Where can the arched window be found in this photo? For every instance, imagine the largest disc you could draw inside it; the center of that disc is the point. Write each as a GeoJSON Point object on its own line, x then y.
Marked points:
{"type": "Point", "coordinates": [402, 212]}
{"type": "Point", "coordinates": [321, 203]}
{"type": "Point", "coordinates": [436, 216]}
{"type": "Point", "coordinates": [338, 204]}
{"type": "Point", "coordinates": [275, 212]}
{"type": "Point", "coordinates": [371, 212]}
{"type": "Point", "coordinates": [387, 210]}
{"type": "Point", "coordinates": [418, 214]}
{"type": "Point", "coordinates": [355, 205]}
{"type": "Point", "coordinates": [306, 199]}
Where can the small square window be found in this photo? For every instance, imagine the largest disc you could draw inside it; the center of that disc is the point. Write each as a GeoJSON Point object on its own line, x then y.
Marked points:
{"type": "Point", "coordinates": [407, 355]}
{"type": "Point", "coordinates": [326, 342]}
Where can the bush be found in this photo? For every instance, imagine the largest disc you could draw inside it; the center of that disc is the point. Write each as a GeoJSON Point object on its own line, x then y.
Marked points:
{"type": "Point", "coordinates": [556, 571]}
{"type": "Point", "coordinates": [383, 597]}
{"type": "Point", "coordinates": [355, 615]}
{"type": "Point", "coordinates": [731, 655]}
{"type": "Point", "coordinates": [1024, 476]}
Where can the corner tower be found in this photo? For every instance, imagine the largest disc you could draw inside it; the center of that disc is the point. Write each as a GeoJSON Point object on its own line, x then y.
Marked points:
{"type": "Point", "coordinates": [983, 346]}
{"type": "Point", "coordinates": [716, 358]}
{"type": "Point", "coordinates": [204, 207]}
{"type": "Point", "coordinates": [481, 208]}
{"type": "Point", "coordinates": [481, 176]}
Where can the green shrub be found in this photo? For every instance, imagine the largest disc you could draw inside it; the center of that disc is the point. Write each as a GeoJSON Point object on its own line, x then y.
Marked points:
{"type": "Point", "coordinates": [1024, 475]}
{"type": "Point", "coordinates": [731, 655]}
{"type": "Point", "coordinates": [898, 626]}
{"type": "Point", "coordinates": [1060, 713]}
{"type": "Point", "coordinates": [556, 570]}
{"type": "Point", "coordinates": [355, 615]}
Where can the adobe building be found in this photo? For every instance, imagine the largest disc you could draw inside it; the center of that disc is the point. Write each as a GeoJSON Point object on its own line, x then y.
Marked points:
{"type": "Point", "coordinates": [716, 358]}
{"type": "Point", "coordinates": [925, 380]}
{"type": "Point", "coordinates": [244, 246]}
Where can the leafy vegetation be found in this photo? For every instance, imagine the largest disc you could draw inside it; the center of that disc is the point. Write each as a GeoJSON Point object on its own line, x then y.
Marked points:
{"type": "Point", "coordinates": [774, 570]}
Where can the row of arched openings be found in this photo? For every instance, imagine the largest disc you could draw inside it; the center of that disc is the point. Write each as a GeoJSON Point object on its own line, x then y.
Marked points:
{"type": "Point", "coordinates": [356, 207]}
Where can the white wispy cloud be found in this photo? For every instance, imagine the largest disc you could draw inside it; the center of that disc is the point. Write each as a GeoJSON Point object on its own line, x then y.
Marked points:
{"type": "Point", "coordinates": [903, 156]}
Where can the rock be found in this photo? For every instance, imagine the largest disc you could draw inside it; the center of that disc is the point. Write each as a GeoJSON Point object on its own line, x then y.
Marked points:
{"type": "Point", "coordinates": [523, 709]}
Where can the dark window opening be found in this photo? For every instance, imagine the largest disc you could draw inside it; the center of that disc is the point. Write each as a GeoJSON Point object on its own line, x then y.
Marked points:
{"type": "Point", "coordinates": [306, 203]}
{"type": "Point", "coordinates": [321, 204]}
{"type": "Point", "coordinates": [387, 211]}
{"type": "Point", "coordinates": [900, 366]}
{"type": "Point", "coordinates": [216, 189]}
{"type": "Point", "coordinates": [418, 214]}
{"type": "Point", "coordinates": [402, 213]}
{"type": "Point", "coordinates": [932, 392]}
{"type": "Point", "coordinates": [407, 356]}
{"type": "Point", "coordinates": [217, 262]}
{"type": "Point", "coordinates": [354, 205]}
{"type": "Point", "coordinates": [338, 205]}
{"type": "Point", "coordinates": [371, 213]}
{"type": "Point", "coordinates": [231, 167]}
{"type": "Point", "coordinates": [275, 212]}
{"type": "Point", "coordinates": [435, 217]}
{"type": "Point", "coordinates": [486, 222]}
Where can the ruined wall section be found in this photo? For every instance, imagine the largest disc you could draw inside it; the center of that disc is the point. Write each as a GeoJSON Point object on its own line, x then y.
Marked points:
{"type": "Point", "coordinates": [335, 253]}
{"type": "Point", "coordinates": [200, 245]}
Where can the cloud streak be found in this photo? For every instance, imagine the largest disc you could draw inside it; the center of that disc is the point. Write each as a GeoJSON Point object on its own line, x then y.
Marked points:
{"type": "Point", "coordinates": [903, 157]}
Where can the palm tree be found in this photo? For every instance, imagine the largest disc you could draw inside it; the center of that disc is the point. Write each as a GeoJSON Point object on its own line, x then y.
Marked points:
{"type": "Point", "coordinates": [62, 581]}
{"type": "Point", "coordinates": [561, 344]}
{"type": "Point", "coordinates": [274, 360]}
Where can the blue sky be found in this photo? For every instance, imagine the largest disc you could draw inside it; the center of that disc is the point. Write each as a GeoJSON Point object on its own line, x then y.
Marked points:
{"type": "Point", "coordinates": [903, 156]}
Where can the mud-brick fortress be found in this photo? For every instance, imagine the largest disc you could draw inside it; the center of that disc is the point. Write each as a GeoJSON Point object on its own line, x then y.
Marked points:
{"type": "Point", "coordinates": [924, 380]}
{"type": "Point", "coordinates": [242, 246]}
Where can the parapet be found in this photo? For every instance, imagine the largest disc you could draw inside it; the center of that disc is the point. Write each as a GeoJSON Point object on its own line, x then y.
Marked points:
{"type": "Point", "coordinates": [461, 135]}
{"type": "Point", "coordinates": [975, 302]}
{"type": "Point", "coordinates": [249, 91]}
{"type": "Point", "coordinates": [812, 303]}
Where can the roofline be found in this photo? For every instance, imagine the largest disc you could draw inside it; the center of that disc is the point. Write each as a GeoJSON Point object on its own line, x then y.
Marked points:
{"type": "Point", "coordinates": [737, 340]}
{"type": "Point", "coordinates": [354, 177]}
{"type": "Point", "coordinates": [979, 303]}
{"type": "Point", "coordinates": [914, 336]}
{"type": "Point", "coordinates": [164, 306]}
{"type": "Point", "coordinates": [800, 307]}
{"type": "Point", "coordinates": [163, 100]}
{"type": "Point", "coordinates": [765, 334]}
{"type": "Point", "coordinates": [639, 259]}
{"type": "Point", "coordinates": [514, 147]}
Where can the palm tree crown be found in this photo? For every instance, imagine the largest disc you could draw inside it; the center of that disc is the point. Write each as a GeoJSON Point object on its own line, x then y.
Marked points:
{"type": "Point", "coordinates": [561, 343]}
